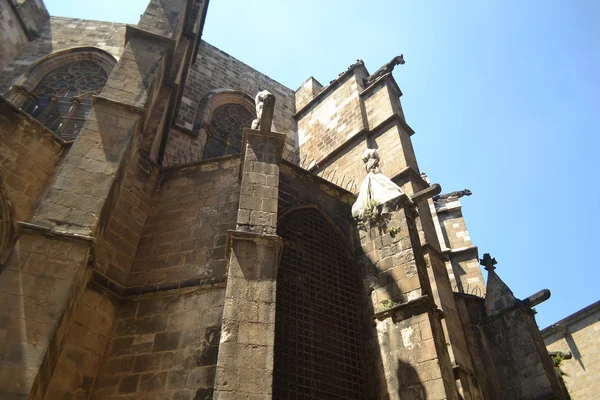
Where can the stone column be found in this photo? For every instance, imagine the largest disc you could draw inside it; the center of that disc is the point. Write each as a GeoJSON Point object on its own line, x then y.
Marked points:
{"type": "Point", "coordinates": [245, 362]}
{"type": "Point", "coordinates": [408, 325]}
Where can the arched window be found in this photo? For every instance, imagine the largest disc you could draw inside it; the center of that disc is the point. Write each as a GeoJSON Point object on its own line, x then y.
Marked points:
{"type": "Point", "coordinates": [225, 130]}
{"type": "Point", "coordinates": [319, 340]}
{"type": "Point", "coordinates": [63, 99]}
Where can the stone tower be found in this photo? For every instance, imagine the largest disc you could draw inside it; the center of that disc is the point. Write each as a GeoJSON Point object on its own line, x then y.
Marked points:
{"type": "Point", "coordinates": [167, 233]}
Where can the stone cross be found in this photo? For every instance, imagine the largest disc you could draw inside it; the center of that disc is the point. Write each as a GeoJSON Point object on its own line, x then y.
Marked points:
{"type": "Point", "coordinates": [488, 262]}
{"type": "Point", "coordinates": [265, 107]}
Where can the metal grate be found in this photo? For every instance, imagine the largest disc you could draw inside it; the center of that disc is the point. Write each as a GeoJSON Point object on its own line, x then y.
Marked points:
{"type": "Point", "coordinates": [319, 341]}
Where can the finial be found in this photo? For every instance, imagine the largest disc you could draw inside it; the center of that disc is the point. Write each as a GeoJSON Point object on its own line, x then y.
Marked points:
{"type": "Point", "coordinates": [488, 262]}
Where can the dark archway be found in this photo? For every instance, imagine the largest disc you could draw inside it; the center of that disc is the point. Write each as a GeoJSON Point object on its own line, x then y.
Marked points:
{"type": "Point", "coordinates": [319, 339]}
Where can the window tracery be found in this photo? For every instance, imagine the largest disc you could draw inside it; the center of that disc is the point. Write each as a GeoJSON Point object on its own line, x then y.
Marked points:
{"type": "Point", "coordinates": [63, 99]}
{"type": "Point", "coordinates": [225, 130]}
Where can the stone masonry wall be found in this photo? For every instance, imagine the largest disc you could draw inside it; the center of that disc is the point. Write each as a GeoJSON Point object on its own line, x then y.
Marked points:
{"type": "Point", "coordinates": [129, 206]}
{"type": "Point", "coordinates": [348, 170]}
{"type": "Point", "coordinates": [11, 33]}
{"type": "Point", "coordinates": [38, 288]}
{"type": "Point", "coordinates": [163, 346]}
{"type": "Point", "coordinates": [453, 226]}
{"type": "Point", "coordinates": [215, 69]}
{"type": "Point", "coordinates": [183, 240]}
{"type": "Point", "coordinates": [298, 189]}
{"type": "Point", "coordinates": [579, 335]}
{"type": "Point", "coordinates": [33, 15]}
{"type": "Point", "coordinates": [86, 340]}
{"type": "Point", "coordinates": [516, 355]}
{"type": "Point", "coordinates": [29, 155]}
{"type": "Point", "coordinates": [62, 33]}
{"type": "Point", "coordinates": [331, 121]}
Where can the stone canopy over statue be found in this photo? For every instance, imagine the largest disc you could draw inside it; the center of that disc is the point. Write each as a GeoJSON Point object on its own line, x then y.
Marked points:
{"type": "Point", "coordinates": [376, 189]}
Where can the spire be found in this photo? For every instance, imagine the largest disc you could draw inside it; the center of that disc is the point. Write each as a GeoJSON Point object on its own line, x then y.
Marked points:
{"type": "Point", "coordinates": [498, 295]}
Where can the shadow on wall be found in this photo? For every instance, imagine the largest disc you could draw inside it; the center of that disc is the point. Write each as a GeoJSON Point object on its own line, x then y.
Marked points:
{"type": "Point", "coordinates": [409, 383]}
{"type": "Point", "coordinates": [574, 349]}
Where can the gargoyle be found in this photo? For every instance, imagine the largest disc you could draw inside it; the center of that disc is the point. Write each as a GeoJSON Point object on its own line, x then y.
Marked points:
{"type": "Point", "coordinates": [448, 196]}
{"type": "Point", "coordinates": [389, 67]}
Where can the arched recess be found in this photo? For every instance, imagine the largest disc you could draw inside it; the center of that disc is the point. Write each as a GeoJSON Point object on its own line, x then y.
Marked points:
{"type": "Point", "coordinates": [319, 337]}
{"type": "Point", "coordinates": [57, 90]}
{"type": "Point", "coordinates": [7, 226]}
{"type": "Point", "coordinates": [222, 115]}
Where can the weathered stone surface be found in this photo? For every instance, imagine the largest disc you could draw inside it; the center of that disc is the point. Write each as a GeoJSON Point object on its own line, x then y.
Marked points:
{"type": "Point", "coordinates": [59, 33]}
{"type": "Point", "coordinates": [578, 334]}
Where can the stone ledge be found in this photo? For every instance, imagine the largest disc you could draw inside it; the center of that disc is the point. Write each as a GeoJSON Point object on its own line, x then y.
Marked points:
{"type": "Point", "coordinates": [30, 119]}
{"type": "Point", "coordinates": [446, 207]}
{"type": "Point", "coordinates": [422, 301]}
{"type": "Point", "coordinates": [100, 280]}
{"type": "Point", "coordinates": [363, 133]}
{"type": "Point", "coordinates": [52, 232]}
{"type": "Point", "coordinates": [382, 78]}
{"type": "Point", "coordinates": [129, 107]}
{"type": "Point", "coordinates": [460, 250]}
{"type": "Point", "coordinates": [270, 240]}
{"type": "Point", "coordinates": [191, 165]}
{"type": "Point", "coordinates": [134, 30]}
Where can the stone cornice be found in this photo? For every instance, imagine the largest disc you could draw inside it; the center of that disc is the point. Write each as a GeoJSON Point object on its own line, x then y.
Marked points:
{"type": "Point", "coordinates": [363, 133]}
{"type": "Point", "coordinates": [381, 79]}
{"type": "Point", "coordinates": [563, 324]}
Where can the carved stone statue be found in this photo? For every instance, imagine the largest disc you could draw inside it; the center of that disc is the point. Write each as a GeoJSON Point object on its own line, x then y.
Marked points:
{"type": "Point", "coordinates": [265, 104]}
{"type": "Point", "coordinates": [452, 195]}
{"type": "Point", "coordinates": [375, 190]}
{"type": "Point", "coordinates": [389, 67]}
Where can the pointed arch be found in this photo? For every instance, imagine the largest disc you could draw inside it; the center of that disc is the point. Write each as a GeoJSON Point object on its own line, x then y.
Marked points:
{"type": "Point", "coordinates": [57, 90]}
{"type": "Point", "coordinates": [42, 67]}
{"type": "Point", "coordinates": [320, 344]}
{"type": "Point", "coordinates": [222, 115]}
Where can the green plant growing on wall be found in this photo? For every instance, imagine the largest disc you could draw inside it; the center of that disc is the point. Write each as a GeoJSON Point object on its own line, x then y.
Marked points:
{"type": "Point", "coordinates": [557, 360]}
{"type": "Point", "coordinates": [371, 213]}
{"type": "Point", "coordinates": [389, 303]}
{"type": "Point", "coordinates": [393, 231]}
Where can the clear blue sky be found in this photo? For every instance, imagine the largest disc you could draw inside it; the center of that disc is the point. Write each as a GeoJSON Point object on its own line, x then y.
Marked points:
{"type": "Point", "coordinates": [504, 97]}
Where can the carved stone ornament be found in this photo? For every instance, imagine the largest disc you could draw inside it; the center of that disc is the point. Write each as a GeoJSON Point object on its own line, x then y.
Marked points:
{"type": "Point", "coordinates": [375, 190]}
{"type": "Point", "coordinates": [260, 100]}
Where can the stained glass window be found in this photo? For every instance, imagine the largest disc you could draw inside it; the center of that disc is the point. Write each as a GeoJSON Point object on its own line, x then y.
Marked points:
{"type": "Point", "coordinates": [63, 99]}
{"type": "Point", "coordinates": [225, 132]}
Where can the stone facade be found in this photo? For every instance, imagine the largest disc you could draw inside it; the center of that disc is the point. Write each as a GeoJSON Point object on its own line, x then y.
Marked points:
{"type": "Point", "coordinates": [134, 264]}
{"type": "Point", "coordinates": [20, 22]}
{"type": "Point", "coordinates": [578, 335]}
